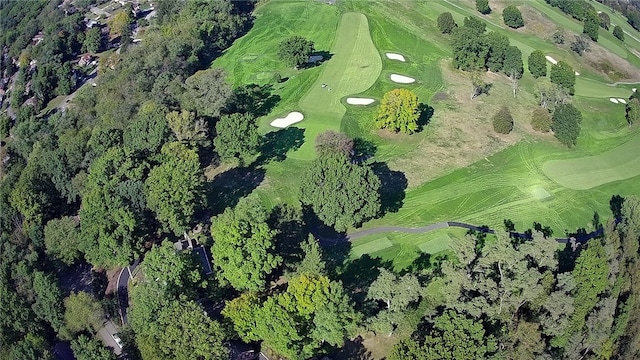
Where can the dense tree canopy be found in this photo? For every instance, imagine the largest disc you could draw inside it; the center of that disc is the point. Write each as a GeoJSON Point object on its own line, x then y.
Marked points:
{"type": "Point", "coordinates": [237, 137]}
{"type": "Point", "coordinates": [243, 245]}
{"type": "Point", "coordinates": [399, 111]}
{"type": "Point", "coordinates": [86, 348]}
{"type": "Point", "coordinates": [113, 202]}
{"type": "Point", "coordinates": [512, 17]}
{"type": "Point", "coordinates": [82, 313]}
{"type": "Point", "coordinates": [563, 75]}
{"type": "Point", "coordinates": [341, 194]}
{"type": "Point", "coordinates": [566, 124]}
{"type": "Point", "coordinates": [62, 238]}
{"type": "Point", "coordinates": [174, 187]}
{"type": "Point", "coordinates": [537, 64]}
{"type": "Point", "coordinates": [295, 51]}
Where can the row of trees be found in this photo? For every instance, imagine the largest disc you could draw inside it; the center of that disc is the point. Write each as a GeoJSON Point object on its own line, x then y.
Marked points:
{"type": "Point", "coordinates": [514, 299]}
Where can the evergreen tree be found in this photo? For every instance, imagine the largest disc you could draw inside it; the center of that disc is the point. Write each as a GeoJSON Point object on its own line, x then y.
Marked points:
{"type": "Point", "coordinates": [566, 124]}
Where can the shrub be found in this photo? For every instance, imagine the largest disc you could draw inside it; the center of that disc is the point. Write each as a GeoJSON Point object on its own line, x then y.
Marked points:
{"type": "Point", "coordinates": [512, 17]}
{"type": "Point", "coordinates": [483, 6]}
{"type": "Point", "coordinates": [503, 121]}
{"type": "Point", "coordinates": [446, 24]}
{"type": "Point", "coordinates": [618, 33]}
{"type": "Point", "coordinates": [541, 120]}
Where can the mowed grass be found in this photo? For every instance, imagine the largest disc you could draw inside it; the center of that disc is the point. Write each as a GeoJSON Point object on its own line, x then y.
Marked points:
{"type": "Point", "coordinates": [402, 249]}
{"type": "Point", "coordinates": [354, 66]}
{"type": "Point", "coordinates": [504, 186]}
{"type": "Point", "coordinates": [588, 172]}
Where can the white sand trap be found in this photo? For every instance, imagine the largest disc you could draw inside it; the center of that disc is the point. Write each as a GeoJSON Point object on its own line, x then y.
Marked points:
{"type": "Point", "coordinates": [551, 60]}
{"type": "Point", "coordinates": [577, 73]}
{"type": "Point", "coordinates": [622, 101]}
{"type": "Point", "coordinates": [394, 56]}
{"type": "Point", "coordinates": [634, 89]}
{"type": "Point", "coordinates": [613, 100]}
{"type": "Point", "coordinates": [401, 79]}
{"type": "Point", "coordinates": [291, 118]}
{"type": "Point", "coordinates": [359, 101]}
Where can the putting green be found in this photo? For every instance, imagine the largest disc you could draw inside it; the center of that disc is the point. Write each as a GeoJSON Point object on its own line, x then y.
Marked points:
{"type": "Point", "coordinates": [436, 245]}
{"type": "Point", "coordinates": [587, 172]}
{"type": "Point", "coordinates": [353, 68]}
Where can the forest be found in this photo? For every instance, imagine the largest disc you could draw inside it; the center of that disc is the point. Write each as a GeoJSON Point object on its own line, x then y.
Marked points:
{"type": "Point", "coordinates": [119, 176]}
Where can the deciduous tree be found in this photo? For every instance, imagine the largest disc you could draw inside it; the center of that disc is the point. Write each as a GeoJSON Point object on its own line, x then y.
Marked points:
{"type": "Point", "coordinates": [174, 187]}
{"type": "Point", "coordinates": [397, 292]}
{"type": "Point", "coordinates": [565, 124]}
{"type": "Point", "coordinates": [591, 24]}
{"type": "Point", "coordinates": [48, 304]}
{"type": "Point", "coordinates": [341, 194]}
{"type": "Point", "coordinates": [446, 24]}
{"type": "Point", "coordinates": [483, 7]}
{"type": "Point", "coordinates": [82, 313]}
{"type": "Point", "coordinates": [243, 247]}
{"type": "Point", "coordinates": [512, 17]}
{"type": "Point", "coordinates": [541, 120]}
{"type": "Point", "coordinates": [62, 238]}
{"type": "Point", "coordinates": [334, 143]}
{"type": "Point", "coordinates": [86, 348]}
{"type": "Point", "coordinates": [207, 92]}
{"type": "Point", "coordinates": [237, 137]}
{"type": "Point", "coordinates": [563, 74]}
{"type": "Point", "coordinates": [187, 128]}
{"type": "Point", "coordinates": [503, 121]}
{"type": "Point", "coordinates": [295, 51]}
{"type": "Point", "coordinates": [398, 111]}
{"type": "Point", "coordinates": [618, 32]}
{"type": "Point", "coordinates": [537, 64]}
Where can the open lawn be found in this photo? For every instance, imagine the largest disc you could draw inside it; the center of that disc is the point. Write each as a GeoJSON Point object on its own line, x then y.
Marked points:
{"type": "Point", "coordinates": [499, 177]}
{"type": "Point", "coordinates": [590, 171]}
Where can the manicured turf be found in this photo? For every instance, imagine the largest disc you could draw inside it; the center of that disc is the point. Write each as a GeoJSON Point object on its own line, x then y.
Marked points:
{"type": "Point", "coordinates": [403, 248]}
{"type": "Point", "coordinates": [587, 172]}
{"type": "Point", "coordinates": [512, 184]}
{"type": "Point", "coordinates": [353, 68]}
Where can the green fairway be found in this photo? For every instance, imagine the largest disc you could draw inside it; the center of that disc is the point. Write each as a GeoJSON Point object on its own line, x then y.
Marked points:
{"type": "Point", "coordinates": [353, 68]}
{"type": "Point", "coordinates": [587, 172]}
{"type": "Point", "coordinates": [371, 247]}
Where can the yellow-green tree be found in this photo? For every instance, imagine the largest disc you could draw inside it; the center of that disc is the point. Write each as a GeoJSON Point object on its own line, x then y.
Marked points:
{"type": "Point", "coordinates": [399, 111]}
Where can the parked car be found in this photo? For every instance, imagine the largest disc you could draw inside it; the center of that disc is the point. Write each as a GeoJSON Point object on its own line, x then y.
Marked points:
{"type": "Point", "coordinates": [117, 339]}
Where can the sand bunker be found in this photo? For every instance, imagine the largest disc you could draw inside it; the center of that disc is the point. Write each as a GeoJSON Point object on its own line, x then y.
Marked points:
{"type": "Point", "coordinates": [613, 100]}
{"type": "Point", "coordinates": [622, 101]}
{"type": "Point", "coordinates": [577, 73]}
{"type": "Point", "coordinates": [401, 79]}
{"type": "Point", "coordinates": [551, 60]}
{"type": "Point", "coordinates": [359, 101]}
{"type": "Point", "coordinates": [291, 118]}
{"type": "Point", "coordinates": [394, 56]}
{"type": "Point", "coordinates": [634, 89]}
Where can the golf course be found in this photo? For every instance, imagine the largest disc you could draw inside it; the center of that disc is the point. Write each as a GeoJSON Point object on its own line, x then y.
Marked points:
{"type": "Point", "coordinates": [457, 168]}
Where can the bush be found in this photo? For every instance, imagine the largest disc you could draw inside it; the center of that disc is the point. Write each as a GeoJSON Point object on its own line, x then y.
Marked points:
{"type": "Point", "coordinates": [446, 24]}
{"type": "Point", "coordinates": [512, 17]}
{"type": "Point", "coordinates": [503, 121]}
{"type": "Point", "coordinates": [618, 33]}
{"type": "Point", "coordinates": [580, 45]}
{"type": "Point", "coordinates": [483, 6]}
{"type": "Point", "coordinates": [541, 120]}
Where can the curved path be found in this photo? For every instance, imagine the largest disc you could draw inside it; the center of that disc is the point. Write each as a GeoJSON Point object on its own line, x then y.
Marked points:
{"type": "Point", "coordinates": [441, 225]}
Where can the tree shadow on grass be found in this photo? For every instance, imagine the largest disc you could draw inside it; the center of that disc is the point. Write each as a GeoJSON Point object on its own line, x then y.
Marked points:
{"type": "Point", "coordinates": [254, 99]}
{"type": "Point", "coordinates": [277, 144]}
{"type": "Point", "coordinates": [316, 59]}
{"type": "Point", "coordinates": [353, 350]}
{"type": "Point", "coordinates": [292, 232]}
{"type": "Point", "coordinates": [426, 113]}
{"type": "Point", "coordinates": [392, 190]}
{"type": "Point", "coordinates": [226, 189]}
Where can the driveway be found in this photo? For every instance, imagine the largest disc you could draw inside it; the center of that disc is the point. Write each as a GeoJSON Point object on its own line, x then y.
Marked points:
{"type": "Point", "coordinates": [123, 292]}
{"type": "Point", "coordinates": [105, 335]}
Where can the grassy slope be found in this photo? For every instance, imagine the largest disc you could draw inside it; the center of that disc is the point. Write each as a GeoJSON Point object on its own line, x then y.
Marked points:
{"type": "Point", "coordinates": [584, 173]}
{"type": "Point", "coordinates": [353, 68]}
{"type": "Point", "coordinates": [503, 186]}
